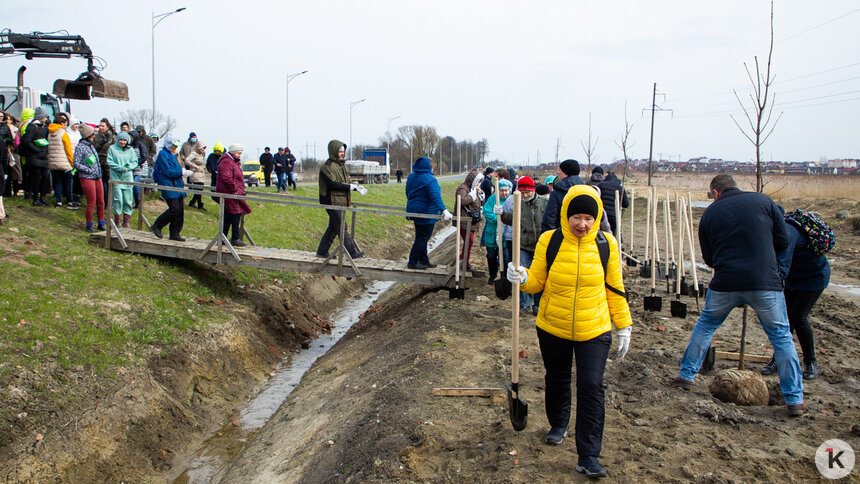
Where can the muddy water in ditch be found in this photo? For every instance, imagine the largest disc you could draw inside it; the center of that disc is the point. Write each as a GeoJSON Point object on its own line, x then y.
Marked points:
{"type": "Point", "coordinates": [213, 458]}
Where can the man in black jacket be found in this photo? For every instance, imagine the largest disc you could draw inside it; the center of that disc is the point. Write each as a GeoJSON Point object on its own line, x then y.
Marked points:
{"type": "Point", "coordinates": [290, 169]}
{"type": "Point", "coordinates": [268, 164]}
{"type": "Point", "coordinates": [280, 160]}
{"type": "Point", "coordinates": [567, 176]}
{"type": "Point", "coordinates": [608, 187]}
{"type": "Point", "coordinates": [740, 235]}
{"type": "Point", "coordinates": [35, 143]}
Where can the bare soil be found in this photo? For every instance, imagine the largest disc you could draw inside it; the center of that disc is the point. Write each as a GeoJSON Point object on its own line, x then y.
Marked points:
{"type": "Point", "coordinates": [366, 413]}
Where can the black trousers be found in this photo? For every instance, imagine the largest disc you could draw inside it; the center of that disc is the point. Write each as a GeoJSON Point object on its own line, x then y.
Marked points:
{"type": "Point", "coordinates": [40, 181]}
{"type": "Point", "coordinates": [558, 355]}
{"type": "Point", "coordinates": [333, 231]}
{"type": "Point", "coordinates": [267, 174]}
{"type": "Point", "coordinates": [197, 199]}
{"type": "Point", "coordinates": [799, 304]}
{"type": "Point", "coordinates": [418, 254]}
{"type": "Point", "coordinates": [232, 220]}
{"type": "Point", "coordinates": [174, 215]}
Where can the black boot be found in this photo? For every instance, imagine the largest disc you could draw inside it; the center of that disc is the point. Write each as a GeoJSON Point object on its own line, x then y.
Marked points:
{"type": "Point", "coordinates": [769, 368]}
{"type": "Point", "coordinates": [811, 371]}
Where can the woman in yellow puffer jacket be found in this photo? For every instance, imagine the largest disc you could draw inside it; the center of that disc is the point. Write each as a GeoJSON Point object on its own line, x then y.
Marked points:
{"type": "Point", "coordinates": [577, 311]}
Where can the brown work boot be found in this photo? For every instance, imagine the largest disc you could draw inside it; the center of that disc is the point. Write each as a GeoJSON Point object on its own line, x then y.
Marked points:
{"type": "Point", "coordinates": [797, 410]}
{"type": "Point", "coordinates": [681, 383]}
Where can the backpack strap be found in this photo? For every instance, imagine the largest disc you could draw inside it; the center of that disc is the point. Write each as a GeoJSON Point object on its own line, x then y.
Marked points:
{"type": "Point", "coordinates": [602, 248]}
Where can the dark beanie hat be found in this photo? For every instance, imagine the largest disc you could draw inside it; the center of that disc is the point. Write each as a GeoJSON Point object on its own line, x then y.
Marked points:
{"type": "Point", "coordinates": [582, 204]}
{"type": "Point", "coordinates": [488, 170]}
{"type": "Point", "coordinates": [597, 169]}
{"type": "Point", "coordinates": [526, 184]}
{"type": "Point", "coordinates": [570, 167]}
{"type": "Point", "coordinates": [542, 190]}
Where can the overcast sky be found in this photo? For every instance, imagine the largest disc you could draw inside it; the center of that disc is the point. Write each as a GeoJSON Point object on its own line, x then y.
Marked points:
{"type": "Point", "coordinates": [520, 74]}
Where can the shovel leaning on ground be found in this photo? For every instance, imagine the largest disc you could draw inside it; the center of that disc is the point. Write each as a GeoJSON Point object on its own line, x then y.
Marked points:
{"type": "Point", "coordinates": [688, 226]}
{"type": "Point", "coordinates": [653, 302]}
{"type": "Point", "coordinates": [519, 409]}
{"type": "Point", "coordinates": [679, 309]}
{"type": "Point", "coordinates": [457, 292]}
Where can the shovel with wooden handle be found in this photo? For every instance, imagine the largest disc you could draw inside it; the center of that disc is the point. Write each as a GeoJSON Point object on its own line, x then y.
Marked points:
{"type": "Point", "coordinates": [457, 292]}
{"type": "Point", "coordinates": [678, 308]}
{"type": "Point", "coordinates": [502, 285]}
{"type": "Point", "coordinates": [653, 302]}
{"type": "Point", "coordinates": [689, 228]}
{"type": "Point", "coordinates": [519, 410]}
{"type": "Point", "coordinates": [631, 260]}
{"type": "Point", "coordinates": [645, 270]}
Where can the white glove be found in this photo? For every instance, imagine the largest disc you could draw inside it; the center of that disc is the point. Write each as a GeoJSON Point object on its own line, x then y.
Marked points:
{"type": "Point", "coordinates": [187, 173]}
{"type": "Point", "coordinates": [473, 195]}
{"type": "Point", "coordinates": [360, 189]}
{"type": "Point", "coordinates": [517, 275]}
{"type": "Point", "coordinates": [497, 209]}
{"type": "Point", "coordinates": [481, 195]}
{"type": "Point", "coordinates": [623, 335]}
{"type": "Point", "coordinates": [447, 215]}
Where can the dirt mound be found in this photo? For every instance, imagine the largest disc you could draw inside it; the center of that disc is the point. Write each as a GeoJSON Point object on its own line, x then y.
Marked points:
{"type": "Point", "coordinates": [366, 413]}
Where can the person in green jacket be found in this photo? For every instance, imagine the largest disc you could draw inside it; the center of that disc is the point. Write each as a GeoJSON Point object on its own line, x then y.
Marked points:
{"type": "Point", "coordinates": [335, 191]}
{"type": "Point", "coordinates": [122, 160]}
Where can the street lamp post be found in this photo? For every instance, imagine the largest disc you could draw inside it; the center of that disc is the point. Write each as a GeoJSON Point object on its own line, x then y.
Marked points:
{"type": "Point", "coordinates": [290, 78]}
{"type": "Point", "coordinates": [352, 105]}
{"type": "Point", "coordinates": [388, 137]}
{"type": "Point", "coordinates": [155, 22]}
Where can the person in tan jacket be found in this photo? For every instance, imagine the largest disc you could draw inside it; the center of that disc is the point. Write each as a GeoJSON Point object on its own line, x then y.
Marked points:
{"type": "Point", "coordinates": [196, 164]}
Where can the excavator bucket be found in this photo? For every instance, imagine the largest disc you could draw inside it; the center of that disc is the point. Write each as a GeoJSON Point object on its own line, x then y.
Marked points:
{"type": "Point", "coordinates": [87, 87]}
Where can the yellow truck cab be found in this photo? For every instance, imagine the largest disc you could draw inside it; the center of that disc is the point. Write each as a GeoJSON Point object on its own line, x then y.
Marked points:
{"type": "Point", "coordinates": [253, 173]}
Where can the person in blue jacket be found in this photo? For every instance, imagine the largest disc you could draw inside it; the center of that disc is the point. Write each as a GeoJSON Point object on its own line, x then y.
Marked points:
{"type": "Point", "coordinates": [423, 195]}
{"type": "Point", "coordinates": [170, 173]}
{"type": "Point", "coordinates": [805, 275]}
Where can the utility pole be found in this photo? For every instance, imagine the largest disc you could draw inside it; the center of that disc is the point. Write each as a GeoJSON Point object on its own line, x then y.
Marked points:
{"type": "Point", "coordinates": [557, 146]}
{"type": "Point", "coordinates": [654, 108]}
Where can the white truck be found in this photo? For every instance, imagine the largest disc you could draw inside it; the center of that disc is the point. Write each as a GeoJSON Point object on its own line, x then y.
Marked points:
{"type": "Point", "coordinates": [14, 99]}
{"type": "Point", "coordinates": [373, 168]}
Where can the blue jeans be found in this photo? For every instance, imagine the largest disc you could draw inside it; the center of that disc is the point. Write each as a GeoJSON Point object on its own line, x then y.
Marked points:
{"type": "Point", "coordinates": [528, 300]}
{"type": "Point", "coordinates": [770, 307]}
{"type": "Point", "coordinates": [62, 185]}
{"type": "Point", "coordinates": [282, 181]}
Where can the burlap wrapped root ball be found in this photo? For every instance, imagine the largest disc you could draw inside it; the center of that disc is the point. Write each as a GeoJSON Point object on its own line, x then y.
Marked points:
{"type": "Point", "coordinates": [741, 387]}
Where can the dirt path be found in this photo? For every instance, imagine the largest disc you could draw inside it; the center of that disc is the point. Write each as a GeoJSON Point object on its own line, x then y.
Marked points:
{"type": "Point", "coordinates": [366, 413]}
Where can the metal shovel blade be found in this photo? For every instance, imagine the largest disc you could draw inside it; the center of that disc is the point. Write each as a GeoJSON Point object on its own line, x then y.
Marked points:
{"type": "Point", "coordinates": [645, 269]}
{"type": "Point", "coordinates": [710, 360]}
{"type": "Point", "coordinates": [456, 293]}
{"type": "Point", "coordinates": [679, 309]}
{"type": "Point", "coordinates": [653, 303]}
{"type": "Point", "coordinates": [518, 409]}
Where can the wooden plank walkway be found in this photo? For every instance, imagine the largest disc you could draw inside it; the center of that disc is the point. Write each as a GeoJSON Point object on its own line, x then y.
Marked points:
{"type": "Point", "coordinates": [144, 242]}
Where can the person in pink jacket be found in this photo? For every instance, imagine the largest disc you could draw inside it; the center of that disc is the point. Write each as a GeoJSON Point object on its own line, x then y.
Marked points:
{"type": "Point", "coordinates": [231, 181]}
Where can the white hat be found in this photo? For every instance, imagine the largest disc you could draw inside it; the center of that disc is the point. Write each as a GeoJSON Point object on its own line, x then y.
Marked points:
{"type": "Point", "coordinates": [235, 148]}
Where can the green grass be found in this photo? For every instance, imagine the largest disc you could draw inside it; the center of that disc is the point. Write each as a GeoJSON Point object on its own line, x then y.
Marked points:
{"type": "Point", "coordinates": [70, 302]}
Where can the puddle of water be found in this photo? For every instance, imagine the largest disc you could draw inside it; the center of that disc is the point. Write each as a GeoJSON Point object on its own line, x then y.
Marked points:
{"type": "Point", "coordinates": [218, 451]}
{"type": "Point", "coordinates": [845, 289]}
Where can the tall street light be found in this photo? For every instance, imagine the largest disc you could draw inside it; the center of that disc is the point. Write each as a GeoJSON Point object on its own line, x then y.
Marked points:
{"type": "Point", "coordinates": [156, 19]}
{"type": "Point", "coordinates": [352, 105]}
{"type": "Point", "coordinates": [290, 78]}
{"type": "Point", "coordinates": [388, 138]}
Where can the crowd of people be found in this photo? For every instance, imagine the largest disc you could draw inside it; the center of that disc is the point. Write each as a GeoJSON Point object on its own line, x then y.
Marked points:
{"type": "Point", "coordinates": [570, 261]}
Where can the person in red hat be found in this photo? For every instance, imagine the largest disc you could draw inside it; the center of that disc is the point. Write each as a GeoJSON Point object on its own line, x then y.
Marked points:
{"type": "Point", "coordinates": [531, 216]}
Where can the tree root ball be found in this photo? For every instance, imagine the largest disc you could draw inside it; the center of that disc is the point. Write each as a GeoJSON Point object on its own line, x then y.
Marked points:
{"type": "Point", "coordinates": [741, 387]}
